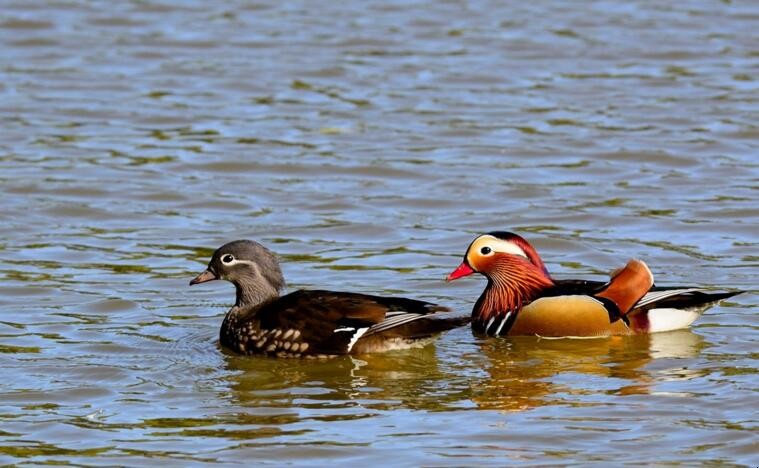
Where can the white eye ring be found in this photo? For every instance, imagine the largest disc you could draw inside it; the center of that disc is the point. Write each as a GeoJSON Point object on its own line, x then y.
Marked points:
{"type": "Point", "coordinates": [227, 259]}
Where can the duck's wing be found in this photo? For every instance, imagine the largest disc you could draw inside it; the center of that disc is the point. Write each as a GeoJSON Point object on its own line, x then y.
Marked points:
{"type": "Point", "coordinates": [578, 308]}
{"type": "Point", "coordinates": [682, 297]}
{"type": "Point", "coordinates": [331, 322]}
{"type": "Point", "coordinates": [673, 308]}
{"type": "Point", "coordinates": [582, 309]}
{"type": "Point", "coordinates": [662, 308]}
{"type": "Point", "coordinates": [620, 294]}
{"type": "Point", "coordinates": [670, 296]}
{"type": "Point", "coordinates": [573, 287]}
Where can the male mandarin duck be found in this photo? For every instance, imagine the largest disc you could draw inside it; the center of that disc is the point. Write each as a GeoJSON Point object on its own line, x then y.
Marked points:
{"type": "Point", "coordinates": [313, 323]}
{"type": "Point", "coordinates": [521, 298]}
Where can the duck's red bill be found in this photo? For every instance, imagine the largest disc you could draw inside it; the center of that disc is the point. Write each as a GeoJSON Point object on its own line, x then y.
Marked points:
{"type": "Point", "coordinates": [204, 277]}
{"type": "Point", "coordinates": [460, 272]}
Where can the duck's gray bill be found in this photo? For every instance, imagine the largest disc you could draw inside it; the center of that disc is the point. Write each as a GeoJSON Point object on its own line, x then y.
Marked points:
{"type": "Point", "coordinates": [204, 277]}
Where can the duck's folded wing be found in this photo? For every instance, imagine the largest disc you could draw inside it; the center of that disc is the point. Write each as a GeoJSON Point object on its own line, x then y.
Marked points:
{"type": "Point", "coordinates": [665, 309]}
{"type": "Point", "coordinates": [658, 296]}
{"type": "Point", "coordinates": [682, 298]}
{"type": "Point", "coordinates": [571, 287]}
{"type": "Point", "coordinates": [407, 323]}
{"type": "Point", "coordinates": [662, 308]}
{"type": "Point", "coordinates": [332, 322]}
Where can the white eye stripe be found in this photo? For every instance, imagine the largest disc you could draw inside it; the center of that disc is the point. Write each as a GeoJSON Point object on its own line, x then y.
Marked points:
{"type": "Point", "coordinates": [498, 245]}
{"type": "Point", "coordinates": [508, 247]}
{"type": "Point", "coordinates": [240, 262]}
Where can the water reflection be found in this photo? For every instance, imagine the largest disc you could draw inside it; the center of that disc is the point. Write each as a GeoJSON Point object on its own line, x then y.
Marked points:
{"type": "Point", "coordinates": [527, 372]}
{"type": "Point", "coordinates": [411, 379]}
{"type": "Point", "coordinates": [513, 374]}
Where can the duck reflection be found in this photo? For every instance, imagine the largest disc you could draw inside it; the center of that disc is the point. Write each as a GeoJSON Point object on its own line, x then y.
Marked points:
{"type": "Point", "coordinates": [527, 372]}
{"type": "Point", "coordinates": [509, 374]}
{"type": "Point", "coordinates": [410, 379]}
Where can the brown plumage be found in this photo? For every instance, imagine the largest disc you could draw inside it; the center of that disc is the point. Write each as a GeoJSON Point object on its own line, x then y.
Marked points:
{"type": "Point", "coordinates": [521, 298]}
{"type": "Point", "coordinates": [313, 322]}
{"type": "Point", "coordinates": [627, 286]}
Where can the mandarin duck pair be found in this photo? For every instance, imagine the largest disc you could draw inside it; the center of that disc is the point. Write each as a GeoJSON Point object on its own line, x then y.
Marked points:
{"type": "Point", "coordinates": [520, 298]}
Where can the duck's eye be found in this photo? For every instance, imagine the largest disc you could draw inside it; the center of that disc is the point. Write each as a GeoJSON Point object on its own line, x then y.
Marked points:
{"type": "Point", "coordinates": [228, 258]}
{"type": "Point", "coordinates": [485, 250]}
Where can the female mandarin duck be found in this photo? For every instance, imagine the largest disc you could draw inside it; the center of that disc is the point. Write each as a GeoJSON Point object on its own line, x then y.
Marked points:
{"type": "Point", "coordinates": [521, 298]}
{"type": "Point", "coordinates": [312, 323]}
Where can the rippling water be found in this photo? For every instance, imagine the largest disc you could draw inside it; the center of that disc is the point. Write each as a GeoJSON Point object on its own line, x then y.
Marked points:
{"type": "Point", "coordinates": [367, 143]}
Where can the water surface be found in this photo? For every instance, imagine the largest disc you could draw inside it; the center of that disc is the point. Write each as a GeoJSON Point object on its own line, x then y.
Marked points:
{"type": "Point", "coordinates": [367, 143]}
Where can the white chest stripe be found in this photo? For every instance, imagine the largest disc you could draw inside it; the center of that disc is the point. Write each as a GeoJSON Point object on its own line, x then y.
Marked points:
{"type": "Point", "coordinates": [503, 322]}
{"type": "Point", "coordinates": [490, 322]}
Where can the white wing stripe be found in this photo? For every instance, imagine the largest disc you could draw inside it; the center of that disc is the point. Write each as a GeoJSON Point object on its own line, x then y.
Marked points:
{"type": "Point", "coordinates": [655, 296]}
{"type": "Point", "coordinates": [395, 321]}
{"type": "Point", "coordinates": [396, 313]}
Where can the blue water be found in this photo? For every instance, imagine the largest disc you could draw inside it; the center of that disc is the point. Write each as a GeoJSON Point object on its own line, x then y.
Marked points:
{"type": "Point", "coordinates": [367, 143]}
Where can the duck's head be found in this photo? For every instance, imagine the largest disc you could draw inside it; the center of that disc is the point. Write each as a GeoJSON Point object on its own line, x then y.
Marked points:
{"type": "Point", "coordinates": [489, 253]}
{"type": "Point", "coordinates": [516, 276]}
{"type": "Point", "coordinates": [251, 267]}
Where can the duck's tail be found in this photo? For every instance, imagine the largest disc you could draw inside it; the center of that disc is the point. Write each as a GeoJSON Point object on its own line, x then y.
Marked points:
{"type": "Point", "coordinates": [673, 308]}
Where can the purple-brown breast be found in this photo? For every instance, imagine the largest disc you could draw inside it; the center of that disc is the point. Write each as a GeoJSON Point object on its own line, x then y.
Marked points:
{"type": "Point", "coordinates": [514, 281]}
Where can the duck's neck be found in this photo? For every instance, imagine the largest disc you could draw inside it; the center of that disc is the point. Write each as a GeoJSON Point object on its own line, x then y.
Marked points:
{"type": "Point", "coordinates": [511, 285]}
{"type": "Point", "coordinates": [252, 293]}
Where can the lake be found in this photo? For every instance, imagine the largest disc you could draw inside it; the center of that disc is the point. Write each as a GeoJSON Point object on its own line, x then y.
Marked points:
{"type": "Point", "coordinates": [367, 143]}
